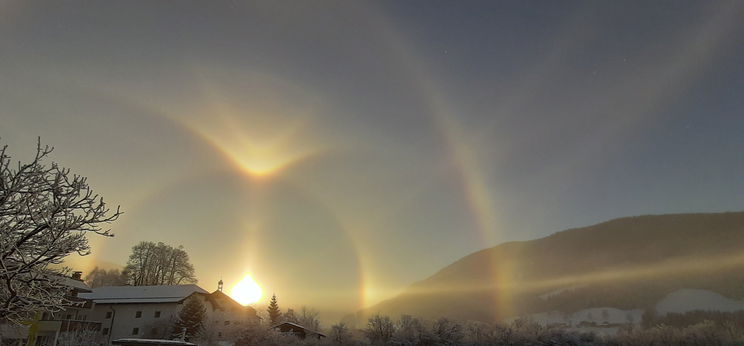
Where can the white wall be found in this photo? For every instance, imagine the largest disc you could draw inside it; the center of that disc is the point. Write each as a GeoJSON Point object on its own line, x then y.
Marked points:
{"type": "Point", "coordinates": [124, 320]}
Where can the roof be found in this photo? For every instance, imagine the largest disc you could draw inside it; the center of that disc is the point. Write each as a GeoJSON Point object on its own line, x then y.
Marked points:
{"type": "Point", "coordinates": [134, 341]}
{"type": "Point", "coordinates": [76, 284]}
{"type": "Point", "coordinates": [219, 298]}
{"type": "Point", "coordinates": [141, 294]}
{"type": "Point", "coordinates": [298, 326]}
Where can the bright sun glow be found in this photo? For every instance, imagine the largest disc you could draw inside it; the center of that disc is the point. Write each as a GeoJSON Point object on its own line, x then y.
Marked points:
{"type": "Point", "coordinates": [258, 144]}
{"type": "Point", "coordinates": [246, 291]}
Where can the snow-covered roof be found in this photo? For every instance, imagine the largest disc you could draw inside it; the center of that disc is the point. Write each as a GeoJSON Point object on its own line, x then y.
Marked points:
{"type": "Point", "coordinates": [131, 341]}
{"type": "Point", "coordinates": [298, 326]}
{"type": "Point", "coordinates": [141, 294]}
{"type": "Point", "coordinates": [72, 283]}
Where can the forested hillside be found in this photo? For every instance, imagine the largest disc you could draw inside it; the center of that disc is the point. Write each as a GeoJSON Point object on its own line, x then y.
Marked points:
{"type": "Point", "coordinates": [624, 263]}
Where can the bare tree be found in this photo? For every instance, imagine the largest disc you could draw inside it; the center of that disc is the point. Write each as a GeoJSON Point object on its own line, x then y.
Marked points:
{"type": "Point", "coordinates": [309, 318]}
{"type": "Point", "coordinates": [409, 330]}
{"type": "Point", "coordinates": [340, 334]}
{"type": "Point", "coordinates": [101, 277]}
{"type": "Point", "coordinates": [159, 264]}
{"type": "Point", "coordinates": [45, 214]}
{"type": "Point", "coordinates": [447, 332]}
{"type": "Point", "coordinates": [290, 316]}
{"type": "Point", "coordinates": [380, 330]}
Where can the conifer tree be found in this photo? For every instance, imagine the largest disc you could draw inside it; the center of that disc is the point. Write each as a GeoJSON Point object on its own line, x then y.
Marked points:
{"type": "Point", "coordinates": [191, 318]}
{"type": "Point", "coordinates": [274, 312]}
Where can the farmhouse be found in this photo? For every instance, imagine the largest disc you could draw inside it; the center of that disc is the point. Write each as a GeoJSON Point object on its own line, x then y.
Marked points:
{"type": "Point", "coordinates": [149, 312]}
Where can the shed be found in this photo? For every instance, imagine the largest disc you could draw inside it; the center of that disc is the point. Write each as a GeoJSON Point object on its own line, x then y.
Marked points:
{"type": "Point", "coordinates": [298, 330]}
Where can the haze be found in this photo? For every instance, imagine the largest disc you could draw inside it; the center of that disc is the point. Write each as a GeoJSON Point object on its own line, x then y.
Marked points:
{"type": "Point", "coordinates": [339, 151]}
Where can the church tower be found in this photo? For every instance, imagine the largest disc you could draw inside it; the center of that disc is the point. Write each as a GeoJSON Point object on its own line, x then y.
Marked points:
{"type": "Point", "coordinates": [219, 285]}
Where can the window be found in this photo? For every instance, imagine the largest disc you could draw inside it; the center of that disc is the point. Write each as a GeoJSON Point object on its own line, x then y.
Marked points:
{"type": "Point", "coordinates": [157, 314]}
{"type": "Point", "coordinates": [154, 331]}
{"type": "Point", "coordinates": [135, 331]}
{"type": "Point", "coordinates": [227, 323]}
{"type": "Point", "coordinates": [105, 331]}
{"type": "Point", "coordinates": [219, 334]}
{"type": "Point", "coordinates": [108, 314]}
{"type": "Point", "coordinates": [138, 314]}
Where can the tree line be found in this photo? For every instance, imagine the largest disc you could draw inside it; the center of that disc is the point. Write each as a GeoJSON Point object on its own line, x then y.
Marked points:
{"type": "Point", "coordinates": [692, 329]}
{"type": "Point", "coordinates": [149, 264]}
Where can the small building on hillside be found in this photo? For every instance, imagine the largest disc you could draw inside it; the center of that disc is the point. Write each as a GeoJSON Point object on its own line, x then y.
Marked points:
{"type": "Point", "coordinates": [298, 330]}
{"type": "Point", "coordinates": [149, 312]}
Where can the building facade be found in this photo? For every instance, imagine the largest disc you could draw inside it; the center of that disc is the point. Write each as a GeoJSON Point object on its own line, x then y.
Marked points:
{"type": "Point", "coordinates": [149, 312]}
{"type": "Point", "coordinates": [47, 328]}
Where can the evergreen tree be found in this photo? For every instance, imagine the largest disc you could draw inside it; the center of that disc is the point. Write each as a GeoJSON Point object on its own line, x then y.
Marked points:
{"type": "Point", "coordinates": [191, 318]}
{"type": "Point", "coordinates": [274, 312]}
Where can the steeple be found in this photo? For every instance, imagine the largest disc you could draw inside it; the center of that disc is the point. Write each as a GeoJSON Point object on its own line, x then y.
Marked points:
{"type": "Point", "coordinates": [219, 285]}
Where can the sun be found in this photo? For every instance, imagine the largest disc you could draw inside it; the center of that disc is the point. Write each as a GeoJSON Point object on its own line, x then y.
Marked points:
{"type": "Point", "coordinates": [246, 291]}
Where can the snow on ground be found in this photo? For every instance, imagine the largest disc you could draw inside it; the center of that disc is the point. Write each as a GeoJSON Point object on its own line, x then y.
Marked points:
{"type": "Point", "coordinates": [600, 315]}
{"type": "Point", "coordinates": [684, 300]}
{"type": "Point", "coordinates": [606, 320]}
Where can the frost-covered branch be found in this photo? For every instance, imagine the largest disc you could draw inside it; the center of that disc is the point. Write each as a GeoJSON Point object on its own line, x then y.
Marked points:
{"type": "Point", "coordinates": [45, 214]}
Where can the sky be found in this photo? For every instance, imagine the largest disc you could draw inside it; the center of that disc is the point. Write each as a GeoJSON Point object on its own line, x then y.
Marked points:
{"type": "Point", "coordinates": [339, 151]}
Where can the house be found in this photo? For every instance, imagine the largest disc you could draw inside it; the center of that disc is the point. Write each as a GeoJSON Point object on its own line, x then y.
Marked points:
{"type": "Point", "coordinates": [47, 327]}
{"type": "Point", "coordinates": [298, 330]}
{"type": "Point", "coordinates": [149, 312]}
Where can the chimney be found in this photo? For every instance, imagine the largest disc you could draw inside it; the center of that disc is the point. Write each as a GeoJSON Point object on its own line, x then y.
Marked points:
{"type": "Point", "coordinates": [77, 276]}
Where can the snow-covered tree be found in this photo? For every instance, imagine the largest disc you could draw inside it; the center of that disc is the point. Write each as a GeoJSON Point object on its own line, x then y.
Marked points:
{"type": "Point", "coordinates": [46, 212]}
{"type": "Point", "coordinates": [256, 335]}
{"type": "Point", "coordinates": [309, 318]}
{"type": "Point", "coordinates": [379, 330]}
{"type": "Point", "coordinates": [447, 332]}
{"type": "Point", "coordinates": [409, 330]}
{"type": "Point", "coordinates": [290, 316]}
{"type": "Point", "coordinates": [217, 334]}
{"type": "Point", "coordinates": [159, 264]}
{"type": "Point", "coordinates": [191, 319]}
{"type": "Point", "coordinates": [340, 334]}
{"type": "Point", "coordinates": [101, 277]}
{"type": "Point", "coordinates": [275, 313]}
